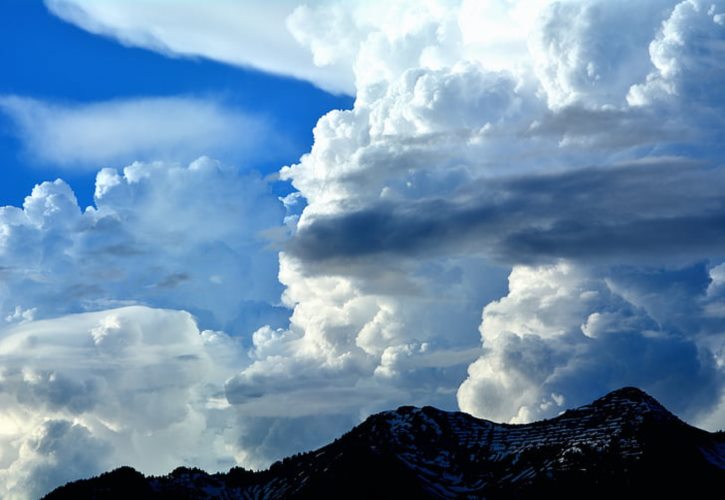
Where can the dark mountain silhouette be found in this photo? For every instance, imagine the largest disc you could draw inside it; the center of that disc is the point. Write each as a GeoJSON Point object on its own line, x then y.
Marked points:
{"type": "Point", "coordinates": [624, 445]}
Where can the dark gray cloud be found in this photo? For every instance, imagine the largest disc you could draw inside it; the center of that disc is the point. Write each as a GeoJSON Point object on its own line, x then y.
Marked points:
{"type": "Point", "coordinates": [625, 213]}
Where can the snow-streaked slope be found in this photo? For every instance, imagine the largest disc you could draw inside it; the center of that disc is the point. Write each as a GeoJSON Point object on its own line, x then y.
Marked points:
{"type": "Point", "coordinates": [624, 444]}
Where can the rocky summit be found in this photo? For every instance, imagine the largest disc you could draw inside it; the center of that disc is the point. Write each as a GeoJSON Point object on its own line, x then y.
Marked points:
{"type": "Point", "coordinates": [623, 445]}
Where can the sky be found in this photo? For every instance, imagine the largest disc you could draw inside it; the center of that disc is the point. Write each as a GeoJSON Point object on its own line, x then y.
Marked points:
{"type": "Point", "coordinates": [230, 230]}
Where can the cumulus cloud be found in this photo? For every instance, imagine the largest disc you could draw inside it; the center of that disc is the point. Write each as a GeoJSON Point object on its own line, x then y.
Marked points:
{"type": "Point", "coordinates": [579, 60]}
{"type": "Point", "coordinates": [356, 345]}
{"type": "Point", "coordinates": [687, 55]}
{"type": "Point", "coordinates": [567, 332]}
{"type": "Point", "coordinates": [86, 392]}
{"type": "Point", "coordinates": [161, 234]}
{"type": "Point", "coordinates": [115, 133]}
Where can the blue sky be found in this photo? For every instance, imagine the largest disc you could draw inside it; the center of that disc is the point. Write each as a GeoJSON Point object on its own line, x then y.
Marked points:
{"type": "Point", "coordinates": [231, 230]}
{"type": "Point", "coordinates": [61, 62]}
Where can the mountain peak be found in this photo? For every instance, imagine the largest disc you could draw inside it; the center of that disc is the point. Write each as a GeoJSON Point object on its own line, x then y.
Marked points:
{"type": "Point", "coordinates": [633, 394]}
{"type": "Point", "coordinates": [632, 400]}
{"type": "Point", "coordinates": [624, 444]}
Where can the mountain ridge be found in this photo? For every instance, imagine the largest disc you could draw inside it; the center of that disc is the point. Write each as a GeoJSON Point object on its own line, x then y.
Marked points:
{"type": "Point", "coordinates": [623, 444]}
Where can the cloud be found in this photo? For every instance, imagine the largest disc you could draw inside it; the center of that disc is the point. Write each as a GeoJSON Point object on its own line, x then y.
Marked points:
{"type": "Point", "coordinates": [160, 234]}
{"type": "Point", "coordinates": [449, 161]}
{"type": "Point", "coordinates": [56, 452]}
{"type": "Point", "coordinates": [538, 217]}
{"type": "Point", "coordinates": [357, 345]}
{"type": "Point", "coordinates": [567, 331]}
{"type": "Point", "coordinates": [83, 393]}
{"type": "Point", "coordinates": [687, 56]}
{"type": "Point", "coordinates": [331, 44]}
{"type": "Point", "coordinates": [577, 60]}
{"type": "Point", "coordinates": [114, 133]}
{"type": "Point", "coordinates": [235, 33]}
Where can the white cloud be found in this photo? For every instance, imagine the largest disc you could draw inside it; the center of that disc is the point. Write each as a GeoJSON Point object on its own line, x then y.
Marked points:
{"type": "Point", "coordinates": [83, 393]}
{"type": "Point", "coordinates": [240, 33]}
{"type": "Point", "coordinates": [162, 234]}
{"type": "Point", "coordinates": [687, 55]}
{"type": "Point", "coordinates": [565, 330]}
{"type": "Point", "coordinates": [579, 60]}
{"type": "Point", "coordinates": [114, 133]}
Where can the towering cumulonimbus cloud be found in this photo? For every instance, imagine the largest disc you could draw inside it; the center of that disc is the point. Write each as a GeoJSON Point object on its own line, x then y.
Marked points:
{"type": "Point", "coordinates": [572, 146]}
{"type": "Point", "coordinates": [568, 164]}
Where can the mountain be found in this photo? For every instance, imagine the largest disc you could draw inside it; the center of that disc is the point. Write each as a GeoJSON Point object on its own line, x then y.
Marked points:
{"type": "Point", "coordinates": [624, 445]}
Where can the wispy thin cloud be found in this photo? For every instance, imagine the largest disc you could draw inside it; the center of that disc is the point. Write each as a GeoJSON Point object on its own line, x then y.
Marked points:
{"type": "Point", "coordinates": [116, 133]}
